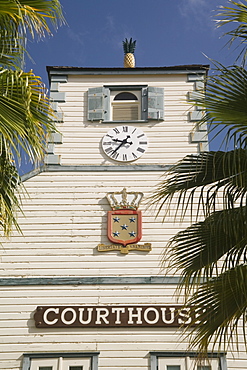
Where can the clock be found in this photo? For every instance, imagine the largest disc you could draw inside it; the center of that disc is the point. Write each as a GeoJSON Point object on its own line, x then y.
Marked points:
{"type": "Point", "coordinates": [124, 143]}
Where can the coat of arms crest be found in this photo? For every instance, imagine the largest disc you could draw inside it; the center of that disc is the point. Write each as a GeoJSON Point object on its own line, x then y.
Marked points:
{"type": "Point", "coordinates": [124, 223]}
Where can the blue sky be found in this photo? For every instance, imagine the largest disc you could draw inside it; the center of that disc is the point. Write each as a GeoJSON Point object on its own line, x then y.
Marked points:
{"type": "Point", "coordinates": [168, 32]}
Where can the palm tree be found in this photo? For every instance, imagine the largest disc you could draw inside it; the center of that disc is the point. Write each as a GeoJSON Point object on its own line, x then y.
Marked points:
{"type": "Point", "coordinates": [25, 113]}
{"type": "Point", "coordinates": [211, 254]}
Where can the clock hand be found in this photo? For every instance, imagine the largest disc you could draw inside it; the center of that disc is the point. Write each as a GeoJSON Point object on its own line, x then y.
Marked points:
{"type": "Point", "coordinates": [124, 141]}
{"type": "Point", "coordinates": [120, 141]}
{"type": "Point", "coordinates": [119, 146]}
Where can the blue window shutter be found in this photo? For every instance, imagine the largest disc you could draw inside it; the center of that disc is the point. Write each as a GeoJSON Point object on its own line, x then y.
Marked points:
{"type": "Point", "coordinates": [98, 103]}
{"type": "Point", "coordinates": [155, 103]}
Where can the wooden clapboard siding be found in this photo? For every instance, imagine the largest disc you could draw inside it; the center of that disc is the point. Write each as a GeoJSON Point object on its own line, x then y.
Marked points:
{"type": "Point", "coordinates": [168, 139]}
{"type": "Point", "coordinates": [65, 219]}
{"type": "Point", "coordinates": [117, 346]}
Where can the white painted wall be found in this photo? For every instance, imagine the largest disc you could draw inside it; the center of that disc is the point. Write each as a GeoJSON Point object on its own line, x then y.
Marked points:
{"type": "Point", "coordinates": [168, 139]}
{"type": "Point", "coordinates": [120, 348]}
{"type": "Point", "coordinates": [65, 219]}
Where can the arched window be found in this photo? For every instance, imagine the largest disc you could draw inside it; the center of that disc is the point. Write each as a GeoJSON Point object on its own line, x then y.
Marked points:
{"type": "Point", "coordinates": [125, 106]}
{"type": "Point", "coordinates": [125, 96]}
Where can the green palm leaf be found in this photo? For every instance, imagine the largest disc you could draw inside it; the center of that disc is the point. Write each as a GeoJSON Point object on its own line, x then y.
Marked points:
{"type": "Point", "coordinates": [210, 247]}
{"type": "Point", "coordinates": [225, 101]}
{"type": "Point", "coordinates": [9, 201]}
{"type": "Point", "coordinates": [211, 254]}
{"type": "Point", "coordinates": [207, 174]}
{"type": "Point", "coordinates": [25, 113]}
{"type": "Point", "coordinates": [19, 18]}
{"type": "Point", "coordinates": [236, 12]}
{"type": "Point", "coordinates": [200, 179]}
{"type": "Point", "coordinates": [223, 307]}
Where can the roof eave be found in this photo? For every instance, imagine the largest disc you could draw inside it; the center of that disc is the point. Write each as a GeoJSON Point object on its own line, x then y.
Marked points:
{"type": "Point", "coordinates": [181, 69]}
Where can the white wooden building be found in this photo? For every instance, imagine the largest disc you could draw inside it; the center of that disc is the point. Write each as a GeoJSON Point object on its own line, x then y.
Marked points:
{"type": "Point", "coordinates": [70, 298]}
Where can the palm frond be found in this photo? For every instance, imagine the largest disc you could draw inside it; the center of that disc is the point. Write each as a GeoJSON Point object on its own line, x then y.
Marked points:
{"type": "Point", "coordinates": [200, 179]}
{"type": "Point", "coordinates": [20, 18]}
{"type": "Point", "coordinates": [211, 255]}
{"type": "Point", "coordinates": [10, 186]}
{"type": "Point", "coordinates": [236, 12]}
{"type": "Point", "coordinates": [221, 305]}
{"type": "Point", "coordinates": [225, 100]}
{"type": "Point", "coordinates": [209, 247]}
{"type": "Point", "coordinates": [25, 113]}
{"type": "Point", "coordinates": [225, 104]}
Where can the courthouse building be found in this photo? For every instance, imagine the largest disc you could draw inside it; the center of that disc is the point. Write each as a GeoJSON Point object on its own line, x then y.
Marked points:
{"type": "Point", "coordinates": [83, 287]}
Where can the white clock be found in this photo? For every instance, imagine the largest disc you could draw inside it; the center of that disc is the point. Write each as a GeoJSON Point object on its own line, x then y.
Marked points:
{"type": "Point", "coordinates": [124, 143]}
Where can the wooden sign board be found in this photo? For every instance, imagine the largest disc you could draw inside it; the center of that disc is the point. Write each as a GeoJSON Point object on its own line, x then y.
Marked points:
{"type": "Point", "coordinates": [112, 316]}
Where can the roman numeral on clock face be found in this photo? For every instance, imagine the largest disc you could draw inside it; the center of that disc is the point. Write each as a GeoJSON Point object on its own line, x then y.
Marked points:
{"type": "Point", "coordinates": [114, 155]}
{"type": "Point", "coordinates": [125, 158]}
{"type": "Point", "coordinates": [109, 150]}
{"type": "Point", "coordinates": [116, 130]}
{"type": "Point", "coordinates": [125, 128]}
{"type": "Point", "coordinates": [140, 150]}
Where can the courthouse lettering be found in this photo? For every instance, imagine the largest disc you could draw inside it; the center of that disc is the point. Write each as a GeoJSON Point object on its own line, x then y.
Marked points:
{"type": "Point", "coordinates": [112, 316]}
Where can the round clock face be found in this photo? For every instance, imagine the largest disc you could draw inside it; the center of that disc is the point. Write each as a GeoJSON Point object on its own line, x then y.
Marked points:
{"type": "Point", "coordinates": [124, 143]}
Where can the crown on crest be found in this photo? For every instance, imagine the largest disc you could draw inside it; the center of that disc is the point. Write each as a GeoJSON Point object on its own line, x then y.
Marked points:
{"type": "Point", "coordinates": [124, 200]}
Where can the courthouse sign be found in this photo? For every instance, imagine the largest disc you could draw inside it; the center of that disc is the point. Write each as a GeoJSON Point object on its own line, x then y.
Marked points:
{"type": "Point", "coordinates": [112, 316]}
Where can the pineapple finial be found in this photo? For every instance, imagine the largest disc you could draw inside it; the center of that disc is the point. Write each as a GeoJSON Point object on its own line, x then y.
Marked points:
{"type": "Point", "coordinates": [129, 49]}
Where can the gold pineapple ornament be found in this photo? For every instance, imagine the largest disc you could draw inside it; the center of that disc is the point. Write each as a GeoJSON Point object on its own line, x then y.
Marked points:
{"type": "Point", "coordinates": [129, 49]}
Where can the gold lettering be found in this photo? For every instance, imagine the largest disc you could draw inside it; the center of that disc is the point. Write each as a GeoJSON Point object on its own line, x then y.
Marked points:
{"type": "Point", "coordinates": [124, 250]}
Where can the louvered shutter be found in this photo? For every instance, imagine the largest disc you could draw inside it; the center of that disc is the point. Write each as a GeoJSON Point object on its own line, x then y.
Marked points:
{"type": "Point", "coordinates": [144, 107]}
{"type": "Point", "coordinates": [98, 103]}
{"type": "Point", "coordinates": [125, 112]}
{"type": "Point", "coordinates": [155, 103]}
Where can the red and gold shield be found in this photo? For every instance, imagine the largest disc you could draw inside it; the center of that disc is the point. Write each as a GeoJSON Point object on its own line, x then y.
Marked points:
{"type": "Point", "coordinates": [124, 226]}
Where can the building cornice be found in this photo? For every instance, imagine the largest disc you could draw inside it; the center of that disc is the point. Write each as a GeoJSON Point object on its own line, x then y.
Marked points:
{"type": "Point", "coordinates": [93, 168]}
{"type": "Point", "coordinates": [181, 69]}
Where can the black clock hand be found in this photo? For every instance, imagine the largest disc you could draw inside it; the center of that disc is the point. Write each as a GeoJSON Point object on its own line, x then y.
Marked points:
{"type": "Point", "coordinates": [120, 141]}
{"type": "Point", "coordinates": [125, 141]}
{"type": "Point", "coordinates": [119, 146]}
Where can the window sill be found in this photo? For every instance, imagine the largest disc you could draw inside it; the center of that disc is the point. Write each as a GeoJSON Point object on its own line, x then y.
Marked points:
{"type": "Point", "coordinates": [124, 122]}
